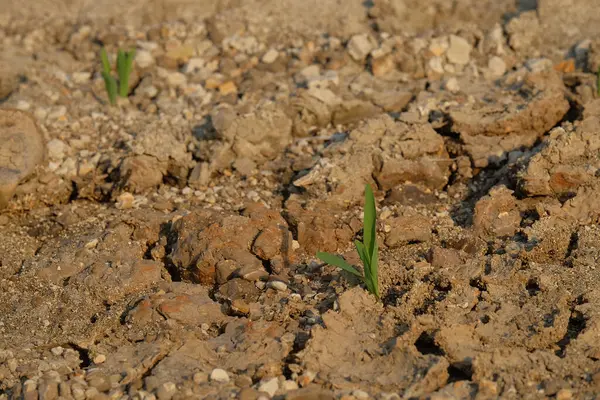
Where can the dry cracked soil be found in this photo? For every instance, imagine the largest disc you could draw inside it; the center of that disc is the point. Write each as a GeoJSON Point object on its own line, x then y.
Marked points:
{"type": "Point", "coordinates": [164, 248]}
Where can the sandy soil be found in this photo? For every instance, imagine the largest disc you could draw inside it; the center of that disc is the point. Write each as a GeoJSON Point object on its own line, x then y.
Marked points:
{"type": "Point", "coordinates": [164, 248]}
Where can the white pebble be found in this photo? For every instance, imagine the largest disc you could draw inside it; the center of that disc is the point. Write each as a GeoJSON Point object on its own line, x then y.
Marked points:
{"type": "Point", "coordinates": [57, 351]}
{"type": "Point", "coordinates": [360, 46]}
{"type": "Point", "coordinates": [81, 77]}
{"type": "Point", "coordinates": [144, 59]}
{"type": "Point", "coordinates": [278, 285]}
{"type": "Point", "coordinates": [260, 285]}
{"type": "Point", "coordinates": [271, 386]}
{"type": "Point", "coordinates": [459, 51]}
{"type": "Point", "coordinates": [56, 149]}
{"type": "Point", "coordinates": [270, 56]}
{"type": "Point", "coordinates": [496, 67]}
{"type": "Point", "coordinates": [176, 79]}
{"type": "Point", "coordinates": [452, 85]}
{"type": "Point", "coordinates": [219, 375]}
{"type": "Point", "coordinates": [23, 105]}
{"type": "Point", "coordinates": [289, 385]}
{"type": "Point", "coordinates": [359, 394]}
{"type": "Point", "coordinates": [99, 359]}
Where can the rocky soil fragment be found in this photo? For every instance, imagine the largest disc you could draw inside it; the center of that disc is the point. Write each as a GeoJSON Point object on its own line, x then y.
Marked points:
{"type": "Point", "coordinates": [210, 247]}
{"type": "Point", "coordinates": [22, 150]}
{"type": "Point", "coordinates": [157, 155]}
{"type": "Point", "coordinates": [391, 152]}
{"type": "Point", "coordinates": [566, 162]}
{"type": "Point", "coordinates": [491, 130]}
{"type": "Point", "coordinates": [166, 250]}
{"type": "Point", "coordinates": [335, 352]}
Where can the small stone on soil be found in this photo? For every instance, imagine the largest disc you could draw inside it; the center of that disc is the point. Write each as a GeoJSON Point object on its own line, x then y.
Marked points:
{"type": "Point", "coordinates": [219, 375]}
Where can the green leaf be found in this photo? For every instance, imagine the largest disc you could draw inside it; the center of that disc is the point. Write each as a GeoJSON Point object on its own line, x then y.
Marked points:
{"type": "Point", "coordinates": [374, 271]}
{"type": "Point", "coordinates": [124, 64]}
{"type": "Point", "coordinates": [369, 222]}
{"type": "Point", "coordinates": [338, 262]}
{"type": "Point", "coordinates": [105, 62]}
{"type": "Point", "coordinates": [360, 249]}
{"type": "Point", "coordinates": [369, 285]}
{"type": "Point", "coordinates": [111, 87]}
{"type": "Point", "coordinates": [120, 62]}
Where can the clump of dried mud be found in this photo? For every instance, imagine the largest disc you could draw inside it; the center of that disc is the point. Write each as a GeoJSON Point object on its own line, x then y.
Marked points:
{"type": "Point", "coordinates": [165, 248]}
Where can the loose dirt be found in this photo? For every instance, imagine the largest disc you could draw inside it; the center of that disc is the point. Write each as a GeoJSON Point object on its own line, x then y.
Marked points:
{"type": "Point", "coordinates": [165, 248]}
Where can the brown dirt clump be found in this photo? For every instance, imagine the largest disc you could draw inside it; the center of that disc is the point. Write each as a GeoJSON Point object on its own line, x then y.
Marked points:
{"type": "Point", "coordinates": [165, 248]}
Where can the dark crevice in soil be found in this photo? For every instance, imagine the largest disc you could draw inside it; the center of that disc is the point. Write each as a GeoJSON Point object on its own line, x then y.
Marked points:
{"type": "Point", "coordinates": [393, 296]}
{"type": "Point", "coordinates": [267, 266]}
{"type": "Point", "coordinates": [460, 372]}
{"type": "Point", "coordinates": [425, 344]}
{"type": "Point", "coordinates": [74, 192]}
{"type": "Point", "coordinates": [292, 226]}
{"type": "Point", "coordinates": [480, 185]}
{"type": "Point", "coordinates": [529, 217]}
{"type": "Point", "coordinates": [532, 287]}
{"type": "Point", "coordinates": [575, 113]}
{"type": "Point", "coordinates": [573, 244]}
{"type": "Point", "coordinates": [478, 283]}
{"type": "Point", "coordinates": [577, 324]}
{"type": "Point", "coordinates": [151, 367]}
{"type": "Point", "coordinates": [564, 197]}
{"type": "Point", "coordinates": [128, 308]}
{"type": "Point", "coordinates": [84, 355]}
{"type": "Point", "coordinates": [442, 124]}
{"type": "Point", "coordinates": [166, 230]}
{"type": "Point", "coordinates": [550, 318]}
{"type": "Point", "coordinates": [300, 342]}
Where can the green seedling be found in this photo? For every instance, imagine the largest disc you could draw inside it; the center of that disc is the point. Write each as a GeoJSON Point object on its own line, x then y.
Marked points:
{"type": "Point", "coordinates": [124, 66]}
{"type": "Point", "coordinates": [367, 249]}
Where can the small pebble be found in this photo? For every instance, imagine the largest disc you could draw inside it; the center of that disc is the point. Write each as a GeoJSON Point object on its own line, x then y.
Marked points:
{"type": "Point", "coordinates": [360, 46]}
{"type": "Point", "coordinates": [99, 359]}
{"type": "Point", "coordinates": [91, 244]}
{"type": "Point", "coordinates": [459, 51]}
{"type": "Point", "coordinates": [260, 285]}
{"type": "Point", "coordinates": [306, 378]}
{"type": "Point", "coordinates": [125, 201]}
{"type": "Point", "coordinates": [564, 394]}
{"type": "Point", "coordinates": [248, 394]}
{"type": "Point", "coordinates": [144, 59]}
{"type": "Point", "coordinates": [219, 375]}
{"type": "Point", "coordinates": [91, 393]}
{"type": "Point", "coordinates": [452, 85]}
{"type": "Point", "coordinates": [56, 149]}
{"type": "Point", "coordinates": [176, 79]}
{"type": "Point", "coordinates": [289, 385]}
{"type": "Point", "coordinates": [227, 88]}
{"type": "Point", "coordinates": [57, 351]}
{"type": "Point", "coordinates": [243, 381]}
{"type": "Point", "coordinates": [496, 67]}
{"type": "Point", "coordinates": [166, 391]}
{"type": "Point", "coordinates": [270, 56]}
{"type": "Point", "coordinates": [278, 285]}
{"type": "Point", "coordinates": [77, 392]}
{"type": "Point", "coordinates": [200, 377]}
{"type": "Point", "coordinates": [81, 77]}
{"type": "Point", "coordinates": [270, 386]}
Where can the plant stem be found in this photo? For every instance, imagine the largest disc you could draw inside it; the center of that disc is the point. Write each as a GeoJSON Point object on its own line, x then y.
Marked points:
{"type": "Point", "coordinates": [124, 64]}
